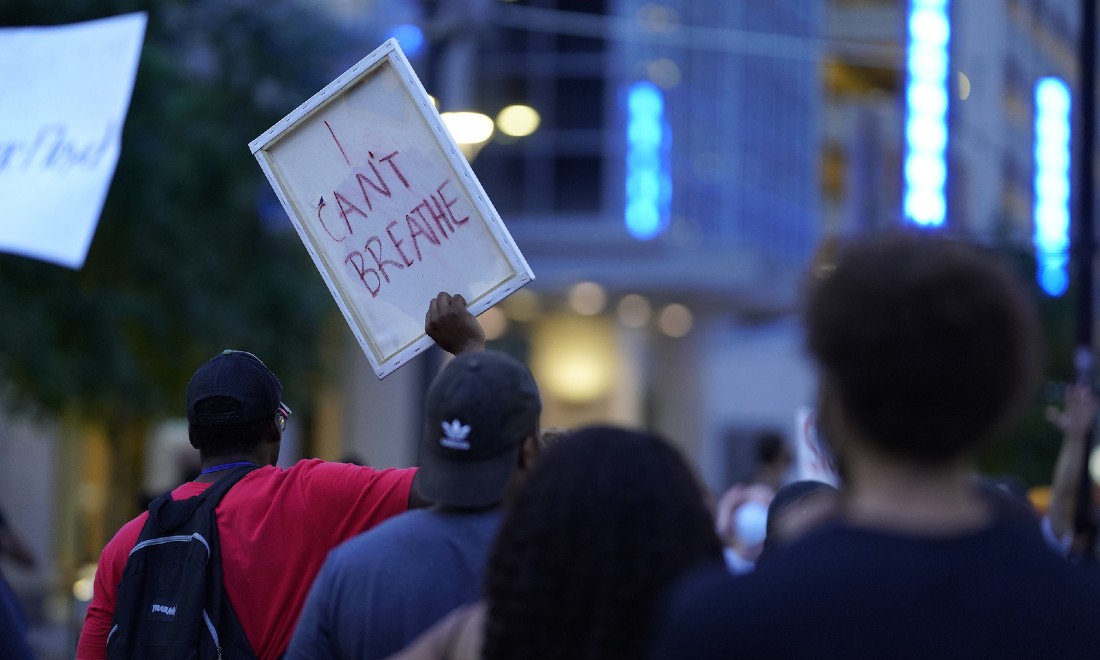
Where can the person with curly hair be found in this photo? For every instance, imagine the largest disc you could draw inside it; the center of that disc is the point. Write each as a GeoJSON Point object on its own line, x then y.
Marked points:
{"type": "Point", "coordinates": [926, 348]}
{"type": "Point", "coordinates": [607, 519]}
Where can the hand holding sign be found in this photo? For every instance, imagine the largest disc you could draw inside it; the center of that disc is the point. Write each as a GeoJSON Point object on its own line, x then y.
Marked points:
{"type": "Point", "coordinates": [452, 326]}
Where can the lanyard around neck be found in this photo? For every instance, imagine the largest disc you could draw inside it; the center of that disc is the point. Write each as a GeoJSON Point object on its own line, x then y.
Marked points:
{"type": "Point", "coordinates": [226, 466]}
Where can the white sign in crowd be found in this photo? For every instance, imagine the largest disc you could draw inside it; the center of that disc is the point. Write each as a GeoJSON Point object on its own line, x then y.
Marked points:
{"type": "Point", "coordinates": [65, 93]}
{"type": "Point", "coordinates": [381, 195]}
{"type": "Point", "coordinates": [387, 206]}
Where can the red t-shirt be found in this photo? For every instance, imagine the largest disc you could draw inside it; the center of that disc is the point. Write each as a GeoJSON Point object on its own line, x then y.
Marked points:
{"type": "Point", "coordinates": [276, 527]}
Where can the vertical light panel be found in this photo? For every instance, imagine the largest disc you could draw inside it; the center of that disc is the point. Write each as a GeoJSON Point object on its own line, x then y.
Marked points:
{"type": "Point", "coordinates": [648, 184]}
{"type": "Point", "coordinates": [1052, 184]}
{"type": "Point", "coordinates": [926, 94]}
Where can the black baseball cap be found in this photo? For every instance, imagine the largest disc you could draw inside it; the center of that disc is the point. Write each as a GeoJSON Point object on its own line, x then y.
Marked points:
{"type": "Point", "coordinates": [479, 409]}
{"type": "Point", "coordinates": [240, 376]}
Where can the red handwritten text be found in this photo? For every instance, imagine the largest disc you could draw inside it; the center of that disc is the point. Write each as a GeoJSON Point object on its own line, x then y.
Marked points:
{"type": "Point", "coordinates": [352, 206]}
{"type": "Point", "coordinates": [432, 220]}
{"type": "Point", "coordinates": [402, 243]}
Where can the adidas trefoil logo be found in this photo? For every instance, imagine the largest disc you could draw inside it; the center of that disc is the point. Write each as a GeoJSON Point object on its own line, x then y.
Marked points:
{"type": "Point", "coordinates": [454, 435]}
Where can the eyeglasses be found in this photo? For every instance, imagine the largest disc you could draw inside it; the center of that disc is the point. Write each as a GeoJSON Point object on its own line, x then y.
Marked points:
{"type": "Point", "coordinates": [282, 413]}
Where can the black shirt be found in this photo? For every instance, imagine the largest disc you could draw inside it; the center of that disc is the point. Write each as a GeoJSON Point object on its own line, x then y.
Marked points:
{"type": "Point", "coordinates": [849, 592]}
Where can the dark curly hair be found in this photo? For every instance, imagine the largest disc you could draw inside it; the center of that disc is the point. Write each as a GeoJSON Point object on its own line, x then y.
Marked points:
{"type": "Point", "coordinates": [929, 343]}
{"type": "Point", "coordinates": [607, 519]}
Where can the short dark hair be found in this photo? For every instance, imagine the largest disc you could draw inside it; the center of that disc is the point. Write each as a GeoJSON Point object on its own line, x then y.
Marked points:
{"type": "Point", "coordinates": [226, 439]}
{"type": "Point", "coordinates": [606, 520]}
{"type": "Point", "coordinates": [928, 342]}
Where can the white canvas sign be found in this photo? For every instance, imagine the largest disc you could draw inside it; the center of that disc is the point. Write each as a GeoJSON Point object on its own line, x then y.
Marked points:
{"type": "Point", "coordinates": [387, 206]}
{"type": "Point", "coordinates": [64, 94]}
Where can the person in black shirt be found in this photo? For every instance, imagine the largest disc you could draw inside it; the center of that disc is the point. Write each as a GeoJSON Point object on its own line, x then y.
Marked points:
{"type": "Point", "coordinates": [925, 347]}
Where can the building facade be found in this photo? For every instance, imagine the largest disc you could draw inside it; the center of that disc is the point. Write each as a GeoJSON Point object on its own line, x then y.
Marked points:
{"type": "Point", "coordinates": [669, 204]}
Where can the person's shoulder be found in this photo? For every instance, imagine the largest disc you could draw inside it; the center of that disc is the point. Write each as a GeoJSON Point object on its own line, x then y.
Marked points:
{"type": "Point", "coordinates": [415, 525]}
{"type": "Point", "coordinates": [830, 542]}
{"type": "Point", "coordinates": [407, 524]}
{"type": "Point", "coordinates": [1022, 542]}
{"type": "Point", "coordinates": [463, 523]}
{"type": "Point", "coordinates": [127, 535]}
{"type": "Point", "coordinates": [307, 467]}
{"type": "Point", "coordinates": [701, 594]}
{"type": "Point", "coordinates": [316, 466]}
{"type": "Point", "coordinates": [696, 616]}
{"type": "Point", "coordinates": [377, 555]}
{"type": "Point", "coordinates": [330, 475]}
{"type": "Point", "coordinates": [1084, 579]}
{"type": "Point", "coordinates": [116, 552]}
{"type": "Point", "coordinates": [1068, 583]}
{"type": "Point", "coordinates": [391, 535]}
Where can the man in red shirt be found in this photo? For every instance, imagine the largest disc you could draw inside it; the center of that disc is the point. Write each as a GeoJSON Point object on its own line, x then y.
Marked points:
{"type": "Point", "coordinates": [276, 526]}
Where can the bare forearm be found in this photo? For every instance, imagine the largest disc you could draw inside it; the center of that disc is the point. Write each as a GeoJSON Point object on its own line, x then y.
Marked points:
{"type": "Point", "coordinates": [1064, 484]}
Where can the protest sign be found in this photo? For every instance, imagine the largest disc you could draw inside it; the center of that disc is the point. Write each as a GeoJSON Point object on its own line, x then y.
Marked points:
{"type": "Point", "coordinates": [64, 98]}
{"type": "Point", "coordinates": [387, 206]}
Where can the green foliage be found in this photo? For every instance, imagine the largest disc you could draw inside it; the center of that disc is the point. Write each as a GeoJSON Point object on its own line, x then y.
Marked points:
{"type": "Point", "coordinates": [192, 253]}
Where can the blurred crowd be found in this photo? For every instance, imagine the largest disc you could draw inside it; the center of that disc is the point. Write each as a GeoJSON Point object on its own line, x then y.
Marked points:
{"type": "Point", "coordinates": [512, 541]}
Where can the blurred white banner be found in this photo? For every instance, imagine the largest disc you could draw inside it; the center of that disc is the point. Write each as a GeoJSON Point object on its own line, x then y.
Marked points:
{"type": "Point", "coordinates": [63, 101]}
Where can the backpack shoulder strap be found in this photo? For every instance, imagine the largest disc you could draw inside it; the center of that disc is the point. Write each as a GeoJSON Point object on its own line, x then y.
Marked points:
{"type": "Point", "coordinates": [167, 514]}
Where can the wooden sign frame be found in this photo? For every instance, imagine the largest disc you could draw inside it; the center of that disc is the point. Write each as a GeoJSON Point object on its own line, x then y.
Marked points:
{"type": "Point", "coordinates": [376, 127]}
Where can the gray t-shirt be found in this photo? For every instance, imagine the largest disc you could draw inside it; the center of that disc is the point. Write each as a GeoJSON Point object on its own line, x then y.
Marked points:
{"type": "Point", "coordinates": [378, 591]}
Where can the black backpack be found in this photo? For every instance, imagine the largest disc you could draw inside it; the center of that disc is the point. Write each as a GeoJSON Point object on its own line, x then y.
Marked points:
{"type": "Point", "coordinates": [170, 601]}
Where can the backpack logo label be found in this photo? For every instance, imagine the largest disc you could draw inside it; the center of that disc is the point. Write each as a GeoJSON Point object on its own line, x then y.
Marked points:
{"type": "Point", "coordinates": [454, 435]}
{"type": "Point", "coordinates": [164, 611]}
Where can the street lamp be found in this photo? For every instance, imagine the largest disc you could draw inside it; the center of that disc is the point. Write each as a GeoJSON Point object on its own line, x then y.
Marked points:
{"type": "Point", "coordinates": [518, 120]}
{"type": "Point", "coordinates": [471, 130]}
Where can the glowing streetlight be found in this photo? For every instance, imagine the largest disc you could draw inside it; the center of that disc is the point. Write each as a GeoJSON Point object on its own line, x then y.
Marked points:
{"type": "Point", "coordinates": [471, 130]}
{"type": "Point", "coordinates": [518, 120]}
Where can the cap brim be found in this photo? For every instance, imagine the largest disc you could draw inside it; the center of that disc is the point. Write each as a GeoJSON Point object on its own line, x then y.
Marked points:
{"type": "Point", "coordinates": [466, 484]}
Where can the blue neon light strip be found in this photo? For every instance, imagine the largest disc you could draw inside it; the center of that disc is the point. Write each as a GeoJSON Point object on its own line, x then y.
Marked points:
{"type": "Point", "coordinates": [648, 183]}
{"type": "Point", "coordinates": [1052, 184]}
{"type": "Point", "coordinates": [410, 37]}
{"type": "Point", "coordinates": [926, 101]}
